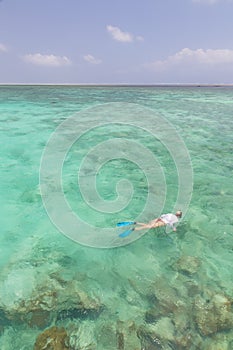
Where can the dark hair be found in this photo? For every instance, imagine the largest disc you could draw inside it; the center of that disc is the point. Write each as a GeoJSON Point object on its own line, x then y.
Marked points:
{"type": "Point", "coordinates": [179, 213]}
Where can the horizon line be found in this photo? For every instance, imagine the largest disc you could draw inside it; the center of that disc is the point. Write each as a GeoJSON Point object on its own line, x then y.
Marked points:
{"type": "Point", "coordinates": [120, 84]}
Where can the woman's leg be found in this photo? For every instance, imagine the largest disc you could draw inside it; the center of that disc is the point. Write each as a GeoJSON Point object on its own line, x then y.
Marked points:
{"type": "Point", "coordinates": [153, 224]}
{"type": "Point", "coordinates": [142, 227]}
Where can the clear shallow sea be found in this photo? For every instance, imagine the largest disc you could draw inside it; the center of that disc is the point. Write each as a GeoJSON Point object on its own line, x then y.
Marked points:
{"type": "Point", "coordinates": [162, 291]}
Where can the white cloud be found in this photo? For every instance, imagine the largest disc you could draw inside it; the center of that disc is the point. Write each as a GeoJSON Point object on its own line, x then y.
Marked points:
{"type": "Point", "coordinates": [91, 59]}
{"type": "Point", "coordinates": [3, 48]}
{"type": "Point", "coordinates": [47, 60]}
{"type": "Point", "coordinates": [119, 35]}
{"type": "Point", "coordinates": [190, 57]}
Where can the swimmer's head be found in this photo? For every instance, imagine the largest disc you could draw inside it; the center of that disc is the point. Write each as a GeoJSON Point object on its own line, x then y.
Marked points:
{"type": "Point", "coordinates": [179, 213]}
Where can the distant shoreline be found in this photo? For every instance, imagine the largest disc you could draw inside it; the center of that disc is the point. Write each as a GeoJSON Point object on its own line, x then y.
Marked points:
{"type": "Point", "coordinates": [118, 85]}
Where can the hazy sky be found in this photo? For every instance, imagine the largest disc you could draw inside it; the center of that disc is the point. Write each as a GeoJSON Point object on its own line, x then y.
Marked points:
{"type": "Point", "coordinates": [121, 41]}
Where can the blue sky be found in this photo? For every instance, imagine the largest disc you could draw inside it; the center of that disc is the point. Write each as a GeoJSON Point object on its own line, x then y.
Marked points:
{"type": "Point", "coordinates": [114, 42]}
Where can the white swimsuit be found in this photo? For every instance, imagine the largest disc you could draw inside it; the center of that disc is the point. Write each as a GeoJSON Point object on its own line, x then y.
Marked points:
{"type": "Point", "coordinates": [169, 219]}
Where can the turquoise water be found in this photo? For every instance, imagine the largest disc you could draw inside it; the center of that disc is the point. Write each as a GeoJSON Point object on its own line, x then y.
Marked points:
{"type": "Point", "coordinates": [162, 291]}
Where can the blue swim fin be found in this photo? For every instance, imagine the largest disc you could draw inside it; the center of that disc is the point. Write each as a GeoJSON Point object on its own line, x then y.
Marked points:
{"type": "Point", "coordinates": [125, 223]}
{"type": "Point", "coordinates": [126, 233]}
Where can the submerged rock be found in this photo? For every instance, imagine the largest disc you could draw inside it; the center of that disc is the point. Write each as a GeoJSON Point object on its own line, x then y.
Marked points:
{"type": "Point", "coordinates": [164, 299]}
{"type": "Point", "coordinates": [160, 335]}
{"type": "Point", "coordinates": [126, 336]}
{"type": "Point", "coordinates": [106, 335]}
{"type": "Point", "coordinates": [193, 288]}
{"type": "Point", "coordinates": [213, 315]}
{"type": "Point", "coordinates": [164, 329]}
{"type": "Point", "coordinates": [152, 315]}
{"type": "Point", "coordinates": [213, 344]}
{"type": "Point", "coordinates": [73, 302]}
{"type": "Point", "coordinates": [120, 335]}
{"type": "Point", "coordinates": [3, 321]}
{"type": "Point", "coordinates": [32, 311]}
{"type": "Point", "coordinates": [148, 340]}
{"type": "Point", "coordinates": [165, 335]}
{"type": "Point", "coordinates": [82, 337]}
{"type": "Point", "coordinates": [187, 264]}
{"type": "Point", "coordinates": [53, 338]}
{"type": "Point", "coordinates": [52, 302]}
